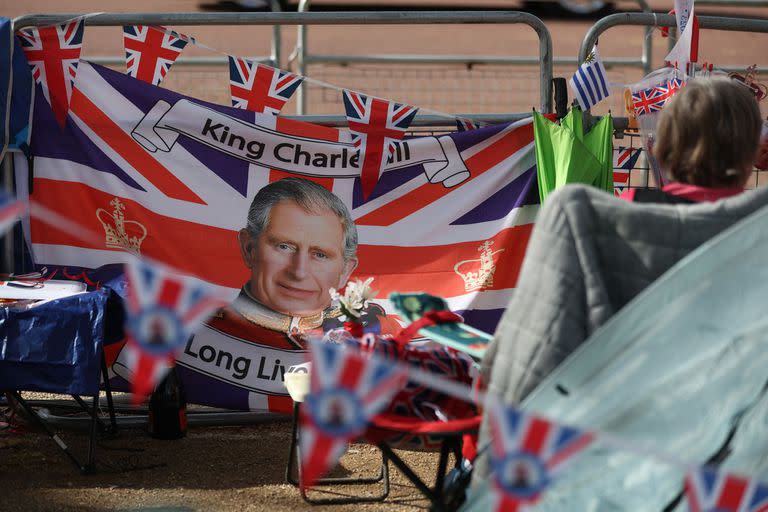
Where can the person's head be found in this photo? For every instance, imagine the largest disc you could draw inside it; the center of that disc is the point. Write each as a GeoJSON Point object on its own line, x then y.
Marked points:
{"type": "Point", "coordinates": [708, 133]}
{"type": "Point", "coordinates": [299, 242]}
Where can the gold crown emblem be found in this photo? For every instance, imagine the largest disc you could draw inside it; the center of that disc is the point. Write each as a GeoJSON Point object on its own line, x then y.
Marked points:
{"type": "Point", "coordinates": [121, 233]}
{"type": "Point", "coordinates": [478, 274]}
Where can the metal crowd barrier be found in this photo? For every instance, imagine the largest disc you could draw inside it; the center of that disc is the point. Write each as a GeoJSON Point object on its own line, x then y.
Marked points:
{"type": "Point", "coordinates": [326, 18]}
{"type": "Point", "coordinates": [304, 58]}
{"type": "Point", "coordinates": [666, 20]}
{"type": "Point", "coordinates": [544, 60]}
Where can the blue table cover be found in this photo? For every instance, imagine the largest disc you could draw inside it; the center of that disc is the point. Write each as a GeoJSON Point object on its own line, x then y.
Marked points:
{"type": "Point", "coordinates": [54, 347]}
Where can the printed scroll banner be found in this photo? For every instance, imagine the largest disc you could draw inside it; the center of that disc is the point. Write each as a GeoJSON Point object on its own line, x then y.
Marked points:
{"type": "Point", "coordinates": [440, 214]}
{"type": "Point", "coordinates": [53, 53]}
{"type": "Point", "coordinates": [347, 388]}
{"type": "Point", "coordinates": [259, 88]}
{"type": "Point", "coordinates": [709, 490]}
{"type": "Point", "coordinates": [151, 51]}
{"type": "Point", "coordinates": [261, 146]}
{"type": "Point", "coordinates": [375, 125]}
{"type": "Point", "coordinates": [162, 310]}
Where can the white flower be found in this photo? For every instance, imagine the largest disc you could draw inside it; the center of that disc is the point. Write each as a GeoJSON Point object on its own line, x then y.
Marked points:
{"type": "Point", "coordinates": [356, 297]}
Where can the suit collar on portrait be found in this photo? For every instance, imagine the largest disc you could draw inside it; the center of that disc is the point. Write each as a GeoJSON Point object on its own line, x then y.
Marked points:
{"type": "Point", "coordinates": [259, 314]}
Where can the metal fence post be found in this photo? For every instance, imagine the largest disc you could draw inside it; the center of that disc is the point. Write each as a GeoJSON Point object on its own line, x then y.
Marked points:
{"type": "Point", "coordinates": [301, 55]}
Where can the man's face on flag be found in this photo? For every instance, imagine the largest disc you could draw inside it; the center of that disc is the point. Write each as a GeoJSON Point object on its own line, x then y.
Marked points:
{"type": "Point", "coordinates": [296, 259]}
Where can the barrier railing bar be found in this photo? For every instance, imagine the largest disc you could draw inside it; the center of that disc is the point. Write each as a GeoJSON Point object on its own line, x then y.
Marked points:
{"type": "Point", "coordinates": [453, 59]}
{"type": "Point", "coordinates": [420, 120]}
{"type": "Point", "coordinates": [113, 60]}
{"type": "Point", "coordinates": [734, 3]}
{"type": "Point", "coordinates": [667, 20]}
{"type": "Point", "coordinates": [288, 18]}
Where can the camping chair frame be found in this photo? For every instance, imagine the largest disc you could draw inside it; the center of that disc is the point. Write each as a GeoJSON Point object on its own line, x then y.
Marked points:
{"type": "Point", "coordinates": [450, 434]}
{"type": "Point", "coordinates": [294, 458]}
{"type": "Point", "coordinates": [96, 422]}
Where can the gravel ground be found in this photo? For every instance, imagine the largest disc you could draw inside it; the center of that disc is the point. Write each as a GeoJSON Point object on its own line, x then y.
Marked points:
{"type": "Point", "coordinates": [213, 468]}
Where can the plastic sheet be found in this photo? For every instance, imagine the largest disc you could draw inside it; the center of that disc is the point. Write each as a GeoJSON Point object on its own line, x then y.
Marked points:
{"type": "Point", "coordinates": [54, 347]}
{"type": "Point", "coordinates": [673, 373]}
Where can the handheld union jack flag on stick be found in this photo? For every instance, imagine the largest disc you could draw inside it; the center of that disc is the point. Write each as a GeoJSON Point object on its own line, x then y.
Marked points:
{"type": "Point", "coordinates": [375, 125]}
{"type": "Point", "coordinates": [260, 88]}
{"type": "Point", "coordinates": [624, 160]}
{"type": "Point", "coordinates": [11, 209]}
{"type": "Point", "coordinates": [347, 388]}
{"type": "Point", "coordinates": [151, 51]}
{"type": "Point", "coordinates": [711, 491]}
{"type": "Point", "coordinates": [525, 452]}
{"type": "Point", "coordinates": [464, 124]}
{"type": "Point", "coordinates": [53, 54]}
{"type": "Point", "coordinates": [648, 101]}
{"type": "Point", "coordinates": [162, 310]}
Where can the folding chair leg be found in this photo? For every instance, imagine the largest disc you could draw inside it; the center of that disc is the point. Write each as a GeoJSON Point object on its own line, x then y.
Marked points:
{"type": "Point", "coordinates": [294, 464]}
{"type": "Point", "coordinates": [433, 497]}
{"type": "Point", "coordinates": [92, 412]}
{"type": "Point", "coordinates": [108, 391]}
{"type": "Point", "coordinates": [88, 467]}
{"type": "Point", "coordinates": [445, 451]}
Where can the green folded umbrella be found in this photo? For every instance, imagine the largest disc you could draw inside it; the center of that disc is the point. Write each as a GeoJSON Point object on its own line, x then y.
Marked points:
{"type": "Point", "coordinates": [565, 154]}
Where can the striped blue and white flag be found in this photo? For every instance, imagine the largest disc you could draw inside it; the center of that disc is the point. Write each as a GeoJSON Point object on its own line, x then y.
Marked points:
{"type": "Point", "coordinates": [590, 82]}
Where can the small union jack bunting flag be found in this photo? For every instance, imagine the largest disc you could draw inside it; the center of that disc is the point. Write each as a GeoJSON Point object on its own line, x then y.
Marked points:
{"type": "Point", "coordinates": [590, 82]}
{"type": "Point", "coordinates": [648, 101]}
{"type": "Point", "coordinates": [624, 160]}
{"type": "Point", "coordinates": [53, 53]}
{"type": "Point", "coordinates": [464, 124]}
{"type": "Point", "coordinates": [11, 209]}
{"type": "Point", "coordinates": [375, 125]}
{"type": "Point", "coordinates": [260, 88]}
{"type": "Point", "coordinates": [151, 51]}
{"type": "Point", "coordinates": [347, 388]}
{"type": "Point", "coordinates": [526, 451]}
{"type": "Point", "coordinates": [162, 310]}
{"type": "Point", "coordinates": [708, 490]}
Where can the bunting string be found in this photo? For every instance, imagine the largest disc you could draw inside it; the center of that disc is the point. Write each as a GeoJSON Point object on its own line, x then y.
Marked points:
{"type": "Point", "coordinates": [309, 80]}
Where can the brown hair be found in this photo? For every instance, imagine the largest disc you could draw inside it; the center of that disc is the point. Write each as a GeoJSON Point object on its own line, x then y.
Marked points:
{"type": "Point", "coordinates": [709, 132]}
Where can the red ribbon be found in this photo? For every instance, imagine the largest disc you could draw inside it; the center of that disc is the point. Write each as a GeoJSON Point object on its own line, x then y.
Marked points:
{"type": "Point", "coordinates": [430, 318]}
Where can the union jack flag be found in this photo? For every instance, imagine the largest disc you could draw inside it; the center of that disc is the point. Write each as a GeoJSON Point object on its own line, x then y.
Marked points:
{"type": "Point", "coordinates": [375, 125]}
{"type": "Point", "coordinates": [194, 198]}
{"type": "Point", "coordinates": [525, 452]}
{"type": "Point", "coordinates": [260, 88]}
{"type": "Point", "coordinates": [151, 51]}
{"type": "Point", "coordinates": [347, 388]}
{"type": "Point", "coordinates": [10, 211]}
{"type": "Point", "coordinates": [624, 160]}
{"type": "Point", "coordinates": [711, 491]}
{"type": "Point", "coordinates": [464, 124]}
{"type": "Point", "coordinates": [162, 310]}
{"type": "Point", "coordinates": [652, 100]}
{"type": "Point", "coordinates": [53, 53]}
